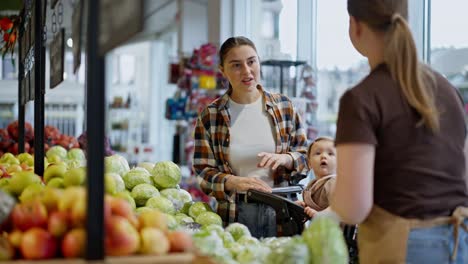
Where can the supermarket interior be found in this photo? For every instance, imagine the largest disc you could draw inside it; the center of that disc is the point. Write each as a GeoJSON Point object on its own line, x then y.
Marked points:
{"type": "Point", "coordinates": [113, 145]}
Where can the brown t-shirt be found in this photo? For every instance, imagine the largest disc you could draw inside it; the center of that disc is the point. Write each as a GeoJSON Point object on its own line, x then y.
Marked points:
{"type": "Point", "coordinates": [317, 194]}
{"type": "Point", "coordinates": [417, 174]}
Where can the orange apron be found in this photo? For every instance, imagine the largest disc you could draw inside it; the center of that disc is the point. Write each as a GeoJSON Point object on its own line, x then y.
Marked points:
{"type": "Point", "coordinates": [383, 237]}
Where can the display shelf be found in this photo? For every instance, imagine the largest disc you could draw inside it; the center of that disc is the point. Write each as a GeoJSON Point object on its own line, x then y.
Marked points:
{"type": "Point", "coordinates": [283, 65]}
{"type": "Point", "coordinates": [176, 258]}
{"type": "Point", "coordinates": [125, 131]}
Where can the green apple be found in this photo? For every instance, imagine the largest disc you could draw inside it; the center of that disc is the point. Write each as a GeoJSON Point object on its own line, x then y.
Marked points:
{"type": "Point", "coordinates": [26, 158]}
{"type": "Point", "coordinates": [55, 171]}
{"type": "Point", "coordinates": [5, 184]}
{"type": "Point", "coordinates": [56, 183]}
{"type": "Point", "coordinates": [20, 180]}
{"type": "Point", "coordinates": [74, 177]}
{"type": "Point", "coordinates": [14, 168]}
{"type": "Point", "coordinates": [32, 192]}
{"type": "Point", "coordinates": [9, 158]}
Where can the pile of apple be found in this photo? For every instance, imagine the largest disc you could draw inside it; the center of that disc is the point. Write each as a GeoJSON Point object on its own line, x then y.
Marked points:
{"type": "Point", "coordinates": [52, 137]}
{"type": "Point", "coordinates": [57, 159]}
{"type": "Point", "coordinates": [53, 224]}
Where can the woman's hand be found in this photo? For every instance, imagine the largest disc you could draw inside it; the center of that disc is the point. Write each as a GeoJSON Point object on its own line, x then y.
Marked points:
{"type": "Point", "coordinates": [309, 211]}
{"type": "Point", "coordinates": [242, 184]}
{"type": "Point", "coordinates": [301, 203]}
{"type": "Point", "coordinates": [272, 160]}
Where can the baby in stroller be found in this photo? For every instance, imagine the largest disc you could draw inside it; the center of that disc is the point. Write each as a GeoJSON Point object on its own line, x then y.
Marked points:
{"type": "Point", "coordinates": [321, 157]}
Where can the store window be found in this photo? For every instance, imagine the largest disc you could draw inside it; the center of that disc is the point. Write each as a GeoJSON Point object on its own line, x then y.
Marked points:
{"type": "Point", "coordinates": [449, 42]}
{"type": "Point", "coordinates": [278, 35]}
{"type": "Point", "coordinates": [278, 41]}
{"type": "Point", "coordinates": [339, 66]}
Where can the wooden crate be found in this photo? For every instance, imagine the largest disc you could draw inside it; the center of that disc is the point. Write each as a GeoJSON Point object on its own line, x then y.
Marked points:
{"type": "Point", "coordinates": [179, 258]}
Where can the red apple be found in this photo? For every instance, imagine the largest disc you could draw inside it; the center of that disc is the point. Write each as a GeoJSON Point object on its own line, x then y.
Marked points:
{"type": "Point", "coordinates": [122, 208]}
{"type": "Point", "coordinates": [180, 241]}
{"type": "Point", "coordinates": [154, 241]}
{"type": "Point", "coordinates": [122, 238]}
{"type": "Point", "coordinates": [38, 244]}
{"type": "Point", "coordinates": [58, 223]}
{"type": "Point", "coordinates": [51, 197]}
{"type": "Point", "coordinates": [73, 244]}
{"type": "Point", "coordinates": [154, 219]}
{"type": "Point", "coordinates": [13, 131]}
{"type": "Point", "coordinates": [29, 214]}
{"type": "Point", "coordinates": [78, 212]}
{"type": "Point", "coordinates": [5, 139]}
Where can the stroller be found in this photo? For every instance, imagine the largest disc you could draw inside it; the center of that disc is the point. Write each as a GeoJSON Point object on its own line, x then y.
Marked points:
{"type": "Point", "coordinates": [291, 217]}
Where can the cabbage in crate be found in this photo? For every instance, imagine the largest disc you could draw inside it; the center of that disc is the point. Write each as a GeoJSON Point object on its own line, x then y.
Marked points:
{"type": "Point", "coordinates": [325, 241]}
{"type": "Point", "coordinates": [136, 176]}
{"type": "Point", "coordinates": [142, 192]}
{"type": "Point", "coordinates": [116, 164]}
{"type": "Point", "coordinates": [166, 174]}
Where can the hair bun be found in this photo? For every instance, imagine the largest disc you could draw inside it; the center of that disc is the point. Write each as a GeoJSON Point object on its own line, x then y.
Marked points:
{"type": "Point", "coordinates": [396, 17]}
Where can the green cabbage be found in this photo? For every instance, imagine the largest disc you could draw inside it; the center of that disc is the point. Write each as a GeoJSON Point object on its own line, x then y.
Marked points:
{"type": "Point", "coordinates": [325, 241]}
{"type": "Point", "coordinates": [57, 151]}
{"type": "Point", "coordinates": [116, 164]}
{"type": "Point", "coordinates": [76, 154]}
{"type": "Point", "coordinates": [162, 204]}
{"type": "Point", "coordinates": [142, 192]}
{"type": "Point", "coordinates": [166, 174]}
{"type": "Point", "coordinates": [238, 230]}
{"type": "Point", "coordinates": [177, 196]}
{"type": "Point", "coordinates": [209, 218]}
{"type": "Point", "coordinates": [136, 176]}
{"type": "Point", "coordinates": [294, 251]}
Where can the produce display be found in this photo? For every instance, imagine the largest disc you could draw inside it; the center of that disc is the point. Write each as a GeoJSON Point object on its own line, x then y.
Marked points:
{"type": "Point", "coordinates": [146, 213]}
{"type": "Point", "coordinates": [52, 137]}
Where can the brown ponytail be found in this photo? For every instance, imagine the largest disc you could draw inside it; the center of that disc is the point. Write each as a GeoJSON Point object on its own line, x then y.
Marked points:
{"type": "Point", "coordinates": [413, 78]}
{"type": "Point", "coordinates": [416, 81]}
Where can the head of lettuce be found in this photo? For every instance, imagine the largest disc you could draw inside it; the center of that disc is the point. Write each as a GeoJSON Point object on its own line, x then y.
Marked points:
{"type": "Point", "coordinates": [166, 174]}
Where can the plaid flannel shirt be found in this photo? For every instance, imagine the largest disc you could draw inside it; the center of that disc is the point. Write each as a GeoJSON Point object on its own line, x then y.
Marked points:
{"type": "Point", "coordinates": [211, 155]}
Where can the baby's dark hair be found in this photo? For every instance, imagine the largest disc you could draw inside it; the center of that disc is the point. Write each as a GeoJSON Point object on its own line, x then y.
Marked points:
{"type": "Point", "coordinates": [324, 138]}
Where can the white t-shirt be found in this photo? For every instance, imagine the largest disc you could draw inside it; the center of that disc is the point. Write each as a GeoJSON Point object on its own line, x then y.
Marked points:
{"type": "Point", "coordinates": [251, 132]}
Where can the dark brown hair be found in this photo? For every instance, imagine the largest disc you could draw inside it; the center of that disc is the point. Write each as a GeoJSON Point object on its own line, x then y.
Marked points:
{"type": "Point", "coordinates": [415, 79]}
{"type": "Point", "coordinates": [323, 138]}
{"type": "Point", "coordinates": [233, 42]}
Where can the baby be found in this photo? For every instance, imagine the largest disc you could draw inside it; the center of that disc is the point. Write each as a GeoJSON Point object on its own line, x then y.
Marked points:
{"type": "Point", "coordinates": [322, 160]}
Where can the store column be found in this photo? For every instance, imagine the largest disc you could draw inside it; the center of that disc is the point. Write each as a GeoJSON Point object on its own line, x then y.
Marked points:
{"type": "Point", "coordinates": [220, 26]}
{"type": "Point", "coordinates": [418, 18]}
{"type": "Point", "coordinates": [307, 31]}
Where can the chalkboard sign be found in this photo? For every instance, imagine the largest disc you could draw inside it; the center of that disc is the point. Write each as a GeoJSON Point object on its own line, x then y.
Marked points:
{"type": "Point", "coordinates": [53, 3]}
{"type": "Point", "coordinates": [25, 89]}
{"type": "Point", "coordinates": [76, 35]}
{"type": "Point", "coordinates": [22, 52]}
{"type": "Point", "coordinates": [44, 12]}
{"type": "Point", "coordinates": [27, 37]}
{"type": "Point", "coordinates": [119, 21]}
{"type": "Point", "coordinates": [57, 54]}
{"type": "Point", "coordinates": [32, 83]}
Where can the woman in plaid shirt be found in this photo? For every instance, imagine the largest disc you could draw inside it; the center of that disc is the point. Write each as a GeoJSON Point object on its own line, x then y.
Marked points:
{"type": "Point", "coordinates": [247, 139]}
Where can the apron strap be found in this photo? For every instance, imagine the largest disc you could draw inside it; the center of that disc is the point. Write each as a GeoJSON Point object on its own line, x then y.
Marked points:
{"type": "Point", "coordinates": [458, 218]}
